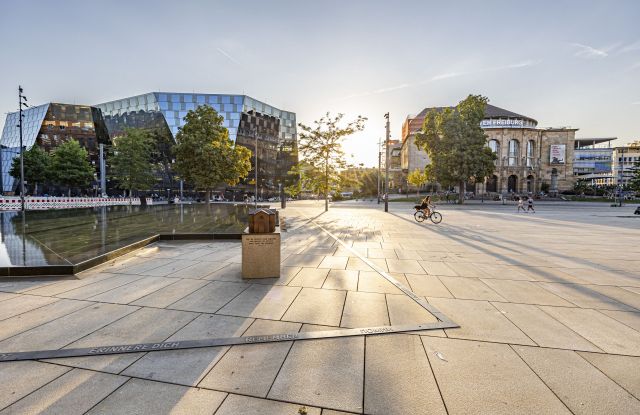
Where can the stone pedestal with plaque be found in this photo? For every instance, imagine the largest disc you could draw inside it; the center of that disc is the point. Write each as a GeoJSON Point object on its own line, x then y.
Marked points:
{"type": "Point", "coordinates": [261, 246]}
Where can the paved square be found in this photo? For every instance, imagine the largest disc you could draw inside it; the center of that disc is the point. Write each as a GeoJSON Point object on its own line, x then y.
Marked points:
{"type": "Point", "coordinates": [548, 307]}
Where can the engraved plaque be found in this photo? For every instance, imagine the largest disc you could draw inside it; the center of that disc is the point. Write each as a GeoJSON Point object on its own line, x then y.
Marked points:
{"type": "Point", "coordinates": [261, 255]}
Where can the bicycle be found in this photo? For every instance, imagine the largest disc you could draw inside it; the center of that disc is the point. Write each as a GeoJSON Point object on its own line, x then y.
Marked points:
{"type": "Point", "coordinates": [420, 216]}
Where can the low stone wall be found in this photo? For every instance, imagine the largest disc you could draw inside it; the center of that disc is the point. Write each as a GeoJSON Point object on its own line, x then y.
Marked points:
{"type": "Point", "coordinates": [40, 203]}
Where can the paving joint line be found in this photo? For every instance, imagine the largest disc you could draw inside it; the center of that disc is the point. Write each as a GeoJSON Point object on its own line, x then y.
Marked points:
{"type": "Point", "coordinates": [423, 303]}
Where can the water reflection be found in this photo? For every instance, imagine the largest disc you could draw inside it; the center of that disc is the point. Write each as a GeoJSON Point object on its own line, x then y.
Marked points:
{"type": "Point", "coordinates": [63, 237]}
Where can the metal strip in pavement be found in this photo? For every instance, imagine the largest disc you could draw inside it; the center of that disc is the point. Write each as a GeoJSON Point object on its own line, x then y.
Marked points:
{"type": "Point", "coordinates": [421, 301]}
{"type": "Point", "coordinates": [226, 341]}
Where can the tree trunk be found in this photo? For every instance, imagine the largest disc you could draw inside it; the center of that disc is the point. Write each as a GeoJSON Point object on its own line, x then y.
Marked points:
{"type": "Point", "coordinates": [69, 192]}
{"type": "Point", "coordinates": [207, 196]}
{"type": "Point", "coordinates": [462, 192]}
{"type": "Point", "coordinates": [35, 189]}
{"type": "Point", "coordinates": [326, 185]}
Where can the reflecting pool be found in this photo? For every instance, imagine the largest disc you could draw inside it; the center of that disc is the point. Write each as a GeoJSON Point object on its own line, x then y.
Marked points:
{"type": "Point", "coordinates": [71, 236]}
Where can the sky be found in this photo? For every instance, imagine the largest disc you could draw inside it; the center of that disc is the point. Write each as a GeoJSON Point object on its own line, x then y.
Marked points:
{"type": "Point", "coordinates": [563, 63]}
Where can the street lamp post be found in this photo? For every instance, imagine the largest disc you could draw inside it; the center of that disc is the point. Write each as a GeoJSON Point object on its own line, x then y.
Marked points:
{"type": "Point", "coordinates": [21, 102]}
{"type": "Point", "coordinates": [386, 163]}
{"type": "Point", "coordinates": [379, 164]}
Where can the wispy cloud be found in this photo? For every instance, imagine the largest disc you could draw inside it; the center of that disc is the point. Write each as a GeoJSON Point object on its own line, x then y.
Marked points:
{"type": "Point", "coordinates": [586, 51]}
{"type": "Point", "coordinates": [446, 75]}
{"type": "Point", "coordinates": [226, 55]}
{"type": "Point", "coordinates": [440, 77]}
{"type": "Point", "coordinates": [635, 103]}
{"type": "Point", "coordinates": [631, 47]}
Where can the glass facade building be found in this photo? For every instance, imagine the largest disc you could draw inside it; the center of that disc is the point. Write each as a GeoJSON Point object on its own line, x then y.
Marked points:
{"type": "Point", "coordinates": [248, 121]}
{"type": "Point", "coordinates": [48, 126]}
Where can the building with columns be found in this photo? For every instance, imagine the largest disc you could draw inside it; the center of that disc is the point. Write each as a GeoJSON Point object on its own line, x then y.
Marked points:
{"type": "Point", "coordinates": [527, 156]}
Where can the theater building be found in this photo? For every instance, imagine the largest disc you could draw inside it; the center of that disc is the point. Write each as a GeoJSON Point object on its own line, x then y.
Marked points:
{"type": "Point", "coordinates": [527, 156]}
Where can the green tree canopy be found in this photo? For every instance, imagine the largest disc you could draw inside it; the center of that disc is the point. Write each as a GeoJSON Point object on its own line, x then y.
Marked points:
{"type": "Point", "coordinates": [417, 178]}
{"type": "Point", "coordinates": [321, 147]}
{"type": "Point", "coordinates": [70, 166]}
{"type": "Point", "coordinates": [205, 156]}
{"type": "Point", "coordinates": [37, 164]}
{"type": "Point", "coordinates": [130, 160]}
{"type": "Point", "coordinates": [456, 144]}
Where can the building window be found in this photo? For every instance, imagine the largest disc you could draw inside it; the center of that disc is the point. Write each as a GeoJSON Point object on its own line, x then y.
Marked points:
{"type": "Point", "coordinates": [514, 152]}
{"type": "Point", "coordinates": [530, 152]}
{"type": "Point", "coordinates": [494, 145]}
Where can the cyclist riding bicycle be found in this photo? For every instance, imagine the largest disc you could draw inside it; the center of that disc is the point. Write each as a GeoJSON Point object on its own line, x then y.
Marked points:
{"type": "Point", "coordinates": [425, 205]}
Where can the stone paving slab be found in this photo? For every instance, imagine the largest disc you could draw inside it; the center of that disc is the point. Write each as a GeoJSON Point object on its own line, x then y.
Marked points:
{"type": "Point", "coordinates": [364, 309]}
{"type": "Point", "coordinates": [317, 306]}
{"type": "Point", "coordinates": [370, 281]}
{"type": "Point", "coordinates": [75, 392]}
{"type": "Point", "coordinates": [143, 397]}
{"type": "Point", "coordinates": [623, 370]}
{"type": "Point", "coordinates": [197, 270]}
{"type": "Point", "coordinates": [310, 277]}
{"type": "Point", "coordinates": [188, 367]}
{"type": "Point", "coordinates": [337, 377]}
{"type": "Point", "coordinates": [245, 405]}
{"type": "Point", "coordinates": [479, 320]}
{"type": "Point", "coordinates": [211, 297]}
{"type": "Point", "coordinates": [22, 304]}
{"type": "Point", "coordinates": [170, 294]}
{"type": "Point", "coordinates": [580, 385]}
{"type": "Point", "coordinates": [544, 329]}
{"type": "Point", "coordinates": [525, 292]}
{"type": "Point", "coordinates": [31, 375]}
{"type": "Point", "coordinates": [38, 316]}
{"type": "Point", "coordinates": [59, 333]}
{"type": "Point", "coordinates": [489, 378]}
{"type": "Point", "coordinates": [99, 287]}
{"type": "Point", "coordinates": [128, 293]}
{"type": "Point", "coordinates": [67, 285]}
{"type": "Point", "coordinates": [339, 279]}
{"type": "Point", "coordinates": [403, 384]}
{"type": "Point", "coordinates": [236, 371]}
{"type": "Point", "coordinates": [427, 285]}
{"type": "Point", "coordinates": [142, 326]}
{"type": "Point", "coordinates": [262, 301]}
{"type": "Point", "coordinates": [470, 289]}
{"type": "Point", "coordinates": [627, 318]}
{"type": "Point", "coordinates": [585, 296]}
{"type": "Point", "coordinates": [403, 310]}
{"type": "Point", "coordinates": [605, 332]}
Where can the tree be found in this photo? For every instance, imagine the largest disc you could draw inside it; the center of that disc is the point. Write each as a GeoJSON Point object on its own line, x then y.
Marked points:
{"type": "Point", "coordinates": [368, 179]}
{"type": "Point", "coordinates": [205, 156]}
{"type": "Point", "coordinates": [130, 160]}
{"type": "Point", "coordinates": [456, 144]}
{"type": "Point", "coordinates": [36, 167]}
{"type": "Point", "coordinates": [70, 166]}
{"type": "Point", "coordinates": [417, 178]}
{"type": "Point", "coordinates": [321, 147]}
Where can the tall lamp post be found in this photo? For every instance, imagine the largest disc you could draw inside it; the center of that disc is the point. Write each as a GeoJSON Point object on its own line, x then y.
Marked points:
{"type": "Point", "coordinates": [22, 101]}
{"type": "Point", "coordinates": [379, 164]}
{"type": "Point", "coordinates": [386, 163]}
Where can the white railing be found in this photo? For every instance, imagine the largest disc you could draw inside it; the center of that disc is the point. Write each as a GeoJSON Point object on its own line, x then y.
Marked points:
{"type": "Point", "coordinates": [50, 202]}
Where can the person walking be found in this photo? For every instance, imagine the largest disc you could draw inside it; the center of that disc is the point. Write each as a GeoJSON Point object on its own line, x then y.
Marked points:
{"type": "Point", "coordinates": [521, 205]}
{"type": "Point", "coordinates": [530, 205]}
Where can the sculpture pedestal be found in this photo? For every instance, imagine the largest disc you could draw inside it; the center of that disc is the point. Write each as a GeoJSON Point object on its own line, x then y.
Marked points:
{"type": "Point", "coordinates": [261, 255]}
